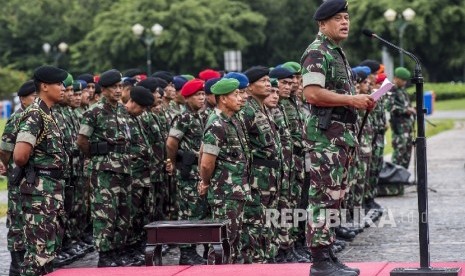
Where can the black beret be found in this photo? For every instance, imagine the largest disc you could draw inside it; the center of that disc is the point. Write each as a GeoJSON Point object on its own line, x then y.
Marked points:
{"type": "Point", "coordinates": [89, 78]}
{"type": "Point", "coordinates": [256, 72]}
{"type": "Point", "coordinates": [50, 74]}
{"type": "Point", "coordinates": [152, 83]}
{"type": "Point", "coordinates": [209, 83]}
{"type": "Point", "coordinates": [167, 76]}
{"type": "Point", "coordinates": [110, 77]}
{"type": "Point", "coordinates": [132, 72]}
{"type": "Point", "coordinates": [98, 89]}
{"type": "Point", "coordinates": [329, 8]}
{"type": "Point", "coordinates": [281, 73]}
{"type": "Point", "coordinates": [27, 89]}
{"type": "Point", "coordinates": [142, 96]}
{"type": "Point", "coordinates": [372, 64]}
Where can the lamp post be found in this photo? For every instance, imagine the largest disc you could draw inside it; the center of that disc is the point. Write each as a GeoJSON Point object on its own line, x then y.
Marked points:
{"type": "Point", "coordinates": [57, 51]}
{"type": "Point", "coordinates": [402, 21]}
{"type": "Point", "coordinates": [147, 39]}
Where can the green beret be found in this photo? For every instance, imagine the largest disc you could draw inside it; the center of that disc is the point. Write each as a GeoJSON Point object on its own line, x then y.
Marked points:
{"type": "Point", "coordinates": [293, 67]}
{"type": "Point", "coordinates": [402, 73]}
{"type": "Point", "coordinates": [188, 77]}
{"type": "Point", "coordinates": [225, 86]}
{"type": "Point", "coordinates": [68, 81]}
{"type": "Point", "coordinates": [329, 8]}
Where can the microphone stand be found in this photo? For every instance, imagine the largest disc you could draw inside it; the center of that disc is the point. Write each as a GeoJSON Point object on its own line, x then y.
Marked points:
{"type": "Point", "coordinates": [422, 174]}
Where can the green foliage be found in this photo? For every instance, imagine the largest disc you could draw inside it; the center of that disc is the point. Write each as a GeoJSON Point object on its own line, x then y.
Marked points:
{"type": "Point", "coordinates": [457, 104]}
{"type": "Point", "coordinates": [11, 80]}
{"type": "Point", "coordinates": [443, 91]}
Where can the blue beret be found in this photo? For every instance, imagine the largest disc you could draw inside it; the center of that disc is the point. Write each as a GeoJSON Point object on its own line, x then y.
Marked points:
{"type": "Point", "coordinates": [165, 75]}
{"type": "Point", "coordinates": [281, 73]}
{"type": "Point", "coordinates": [78, 85]}
{"type": "Point", "coordinates": [27, 89]}
{"type": "Point", "coordinates": [110, 77]}
{"type": "Point", "coordinates": [243, 80]}
{"type": "Point", "coordinates": [209, 83]}
{"type": "Point", "coordinates": [372, 64]}
{"type": "Point", "coordinates": [89, 78]}
{"type": "Point", "coordinates": [274, 82]}
{"type": "Point", "coordinates": [127, 81]}
{"type": "Point", "coordinates": [179, 82]}
{"type": "Point", "coordinates": [49, 74]}
{"type": "Point", "coordinates": [256, 72]}
{"type": "Point", "coordinates": [142, 96]}
{"type": "Point", "coordinates": [329, 8]}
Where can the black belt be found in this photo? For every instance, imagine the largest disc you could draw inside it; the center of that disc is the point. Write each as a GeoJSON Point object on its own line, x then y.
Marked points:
{"type": "Point", "coordinates": [298, 151]}
{"type": "Point", "coordinates": [118, 148]}
{"type": "Point", "coordinates": [347, 117]}
{"type": "Point", "coordinates": [266, 163]}
{"type": "Point", "coordinates": [52, 173]}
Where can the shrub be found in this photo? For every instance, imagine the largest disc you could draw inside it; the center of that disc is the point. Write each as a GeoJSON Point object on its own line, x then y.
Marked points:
{"type": "Point", "coordinates": [443, 91]}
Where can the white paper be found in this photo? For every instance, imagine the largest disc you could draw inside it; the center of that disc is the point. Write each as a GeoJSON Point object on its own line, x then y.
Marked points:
{"type": "Point", "coordinates": [383, 89]}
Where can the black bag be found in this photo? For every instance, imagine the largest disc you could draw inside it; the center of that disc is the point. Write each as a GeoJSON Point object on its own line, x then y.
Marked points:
{"type": "Point", "coordinates": [392, 179]}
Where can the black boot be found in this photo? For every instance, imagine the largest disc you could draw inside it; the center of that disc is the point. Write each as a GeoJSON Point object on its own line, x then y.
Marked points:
{"type": "Point", "coordinates": [189, 256]}
{"type": "Point", "coordinates": [341, 265]}
{"type": "Point", "coordinates": [323, 265]}
{"type": "Point", "coordinates": [17, 257]}
{"type": "Point", "coordinates": [105, 259]}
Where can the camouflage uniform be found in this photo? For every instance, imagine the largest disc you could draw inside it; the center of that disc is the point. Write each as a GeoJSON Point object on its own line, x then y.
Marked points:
{"type": "Point", "coordinates": [402, 126]}
{"type": "Point", "coordinates": [142, 174]}
{"type": "Point", "coordinates": [14, 221]}
{"type": "Point", "coordinates": [42, 201]}
{"type": "Point", "coordinates": [109, 174]}
{"type": "Point", "coordinates": [187, 128]}
{"type": "Point", "coordinates": [265, 178]}
{"type": "Point", "coordinates": [229, 186]}
{"type": "Point", "coordinates": [325, 64]}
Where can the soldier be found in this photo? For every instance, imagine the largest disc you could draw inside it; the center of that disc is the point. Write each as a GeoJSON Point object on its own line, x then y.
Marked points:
{"type": "Point", "coordinates": [328, 87]}
{"type": "Point", "coordinates": [210, 98]}
{"type": "Point", "coordinates": [210, 101]}
{"type": "Point", "coordinates": [224, 164]}
{"type": "Point", "coordinates": [15, 222]}
{"type": "Point", "coordinates": [182, 148]}
{"type": "Point", "coordinates": [243, 84]}
{"type": "Point", "coordinates": [402, 118]}
{"type": "Point", "coordinates": [265, 149]}
{"type": "Point", "coordinates": [40, 153]}
{"type": "Point", "coordinates": [104, 135]}
{"type": "Point", "coordinates": [142, 172]}
{"type": "Point", "coordinates": [90, 87]}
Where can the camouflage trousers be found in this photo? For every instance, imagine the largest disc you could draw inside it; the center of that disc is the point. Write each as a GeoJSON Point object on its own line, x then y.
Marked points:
{"type": "Point", "coordinates": [234, 211]}
{"type": "Point", "coordinates": [295, 198]}
{"type": "Point", "coordinates": [328, 185]}
{"type": "Point", "coordinates": [160, 209]}
{"type": "Point", "coordinates": [110, 208]}
{"type": "Point", "coordinates": [359, 175]}
{"type": "Point", "coordinates": [15, 220]}
{"type": "Point", "coordinates": [376, 164]}
{"type": "Point", "coordinates": [190, 205]}
{"type": "Point", "coordinates": [257, 234]}
{"type": "Point", "coordinates": [43, 232]}
{"type": "Point", "coordinates": [142, 210]}
{"type": "Point", "coordinates": [402, 143]}
{"type": "Point", "coordinates": [72, 208]}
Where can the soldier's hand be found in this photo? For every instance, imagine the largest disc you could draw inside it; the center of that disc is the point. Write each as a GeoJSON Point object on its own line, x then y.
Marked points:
{"type": "Point", "coordinates": [202, 188]}
{"type": "Point", "coordinates": [2, 169]}
{"type": "Point", "coordinates": [169, 167]}
{"type": "Point", "coordinates": [363, 101]}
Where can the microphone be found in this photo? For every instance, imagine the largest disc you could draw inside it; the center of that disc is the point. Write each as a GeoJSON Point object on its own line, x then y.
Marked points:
{"type": "Point", "coordinates": [371, 34]}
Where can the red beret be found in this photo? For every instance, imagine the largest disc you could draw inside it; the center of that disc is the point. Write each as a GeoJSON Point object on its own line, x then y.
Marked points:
{"type": "Point", "coordinates": [380, 78]}
{"type": "Point", "coordinates": [191, 87]}
{"type": "Point", "coordinates": [209, 74]}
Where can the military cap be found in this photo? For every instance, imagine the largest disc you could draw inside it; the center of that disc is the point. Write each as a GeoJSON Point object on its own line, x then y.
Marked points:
{"type": "Point", "coordinates": [281, 73]}
{"type": "Point", "coordinates": [243, 80]}
{"type": "Point", "coordinates": [329, 8]}
{"type": "Point", "coordinates": [89, 78]}
{"type": "Point", "coordinates": [179, 82]}
{"type": "Point", "coordinates": [78, 85]}
{"type": "Point", "coordinates": [293, 66]}
{"type": "Point", "coordinates": [208, 85]}
{"type": "Point", "coordinates": [110, 77]}
{"type": "Point", "coordinates": [361, 76]}
{"type": "Point", "coordinates": [132, 72]}
{"type": "Point", "coordinates": [372, 64]}
{"type": "Point", "coordinates": [165, 75]}
{"type": "Point", "coordinates": [191, 87]}
{"type": "Point", "coordinates": [149, 83]}
{"type": "Point", "coordinates": [127, 81]}
{"type": "Point", "coordinates": [380, 77]}
{"type": "Point", "coordinates": [364, 69]}
{"type": "Point", "coordinates": [27, 89]}
{"type": "Point", "coordinates": [188, 77]}
{"type": "Point", "coordinates": [256, 72]}
{"type": "Point", "coordinates": [209, 74]}
{"type": "Point", "coordinates": [225, 86]}
{"type": "Point", "coordinates": [402, 73]}
{"type": "Point", "coordinates": [142, 96]}
{"type": "Point", "coordinates": [49, 74]}
{"type": "Point", "coordinates": [68, 81]}
{"type": "Point", "coordinates": [274, 82]}
{"type": "Point", "coordinates": [98, 89]}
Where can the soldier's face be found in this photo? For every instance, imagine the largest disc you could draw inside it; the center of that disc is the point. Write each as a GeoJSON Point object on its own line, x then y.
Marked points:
{"type": "Point", "coordinates": [211, 99]}
{"type": "Point", "coordinates": [243, 96]}
{"type": "Point", "coordinates": [284, 86]}
{"type": "Point", "coordinates": [27, 100]}
{"type": "Point", "coordinates": [170, 92]}
{"type": "Point", "coordinates": [134, 108]}
{"type": "Point", "coordinates": [336, 27]}
{"type": "Point", "coordinates": [272, 100]}
{"type": "Point", "coordinates": [55, 91]}
{"type": "Point", "coordinates": [364, 87]}
{"type": "Point", "coordinates": [125, 94]}
{"type": "Point", "coordinates": [68, 94]}
{"type": "Point", "coordinates": [197, 100]}
{"type": "Point", "coordinates": [85, 97]}
{"type": "Point", "coordinates": [261, 88]}
{"type": "Point", "coordinates": [113, 93]}
{"type": "Point", "coordinates": [76, 100]}
{"type": "Point", "coordinates": [91, 88]}
{"type": "Point", "coordinates": [179, 98]}
{"type": "Point", "coordinates": [232, 101]}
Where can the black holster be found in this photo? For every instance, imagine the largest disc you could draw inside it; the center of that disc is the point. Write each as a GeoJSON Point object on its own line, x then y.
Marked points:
{"type": "Point", "coordinates": [186, 159]}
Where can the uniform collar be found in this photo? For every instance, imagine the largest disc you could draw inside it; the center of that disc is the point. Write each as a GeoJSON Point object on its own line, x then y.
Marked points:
{"type": "Point", "coordinates": [43, 106]}
{"type": "Point", "coordinates": [331, 43]}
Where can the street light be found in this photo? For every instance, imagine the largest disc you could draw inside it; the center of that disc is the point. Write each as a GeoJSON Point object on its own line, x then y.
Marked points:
{"type": "Point", "coordinates": [147, 39]}
{"type": "Point", "coordinates": [57, 51]}
{"type": "Point", "coordinates": [402, 21]}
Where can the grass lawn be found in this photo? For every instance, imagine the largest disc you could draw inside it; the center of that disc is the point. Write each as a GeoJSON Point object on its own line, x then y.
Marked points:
{"type": "Point", "coordinates": [3, 209]}
{"type": "Point", "coordinates": [441, 125]}
{"type": "Point", "coordinates": [457, 104]}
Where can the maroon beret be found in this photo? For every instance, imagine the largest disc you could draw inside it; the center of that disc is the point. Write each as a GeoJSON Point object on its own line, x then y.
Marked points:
{"type": "Point", "coordinates": [191, 87]}
{"type": "Point", "coordinates": [209, 74]}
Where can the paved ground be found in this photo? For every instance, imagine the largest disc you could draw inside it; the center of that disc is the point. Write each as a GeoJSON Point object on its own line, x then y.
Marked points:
{"type": "Point", "coordinates": [398, 240]}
